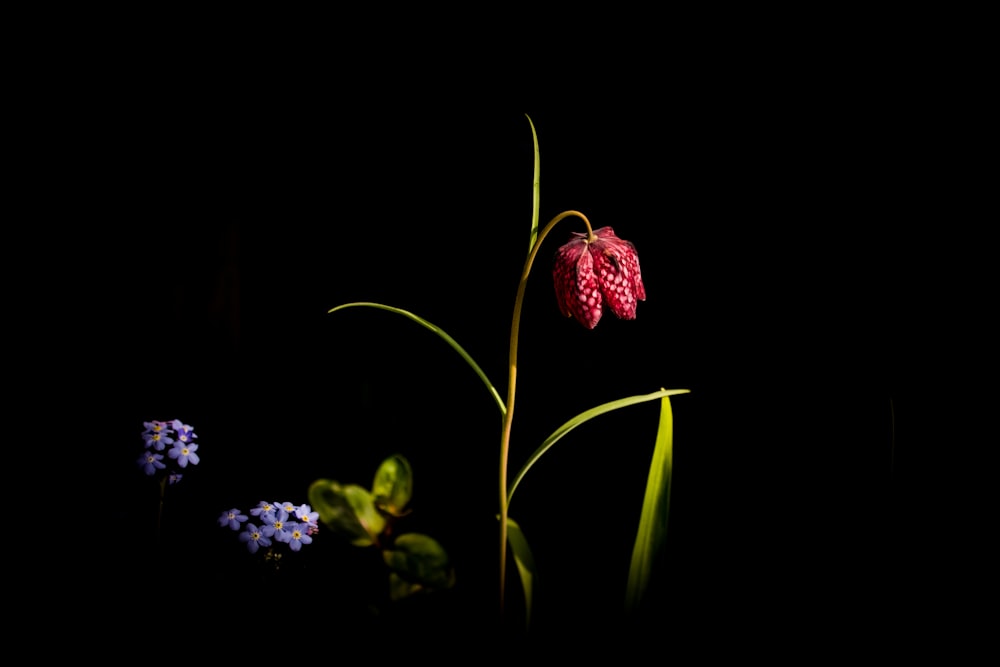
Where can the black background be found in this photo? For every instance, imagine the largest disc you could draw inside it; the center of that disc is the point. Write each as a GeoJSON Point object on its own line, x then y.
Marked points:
{"type": "Point", "coordinates": [809, 251]}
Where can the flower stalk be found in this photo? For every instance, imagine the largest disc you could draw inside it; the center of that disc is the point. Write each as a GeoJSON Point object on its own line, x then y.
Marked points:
{"type": "Point", "coordinates": [512, 385]}
{"type": "Point", "coordinates": [159, 513]}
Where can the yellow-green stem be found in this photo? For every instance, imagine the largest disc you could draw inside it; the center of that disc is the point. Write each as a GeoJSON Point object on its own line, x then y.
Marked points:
{"type": "Point", "coordinates": [511, 382]}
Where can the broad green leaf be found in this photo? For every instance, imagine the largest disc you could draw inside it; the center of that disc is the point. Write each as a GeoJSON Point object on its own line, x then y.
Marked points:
{"type": "Point", "coordinates": [535, 185]}
{"type": "Point", "coordinates": [421, 562]}
{"type": "Point", "coordinates": [347, 509]}
{"type": "Point", "coordinates": [393, 485]}
{"type": "Point", "coordinates": [580, 419]}
{"type": "Point", "coordinates": [655, 510]}
{"type": "Point", "coordinates": [525, 564]}
{"type": "Point", "coordinates": [448, 339]}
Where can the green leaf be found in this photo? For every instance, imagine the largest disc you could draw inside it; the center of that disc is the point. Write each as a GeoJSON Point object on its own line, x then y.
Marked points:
{"type": "Point", "coordinates": [655, 510]}
{"type": "Point", "coordinates": [400, 588]}
{"type": "Point", "coordinates": [580, 419]}
{"type": "Point", "coordinates": [347, 509]}
{"type": "Point", "coordinates": [535, 186]}
{"type": "Point", "coordinates": [420, 562]}
{"type": "Point", "coordinates": [525, 564]}
{"type": "Point", "coordinates": [393, 485]}
{"type": "Point", "coordinates": [448, 339]}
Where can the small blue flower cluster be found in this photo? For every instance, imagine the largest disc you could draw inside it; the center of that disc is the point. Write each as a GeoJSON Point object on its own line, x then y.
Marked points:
{"type": "Point", "coordinates": [282, 522]}
{"type": "Point", "coordinates": [176, 435]}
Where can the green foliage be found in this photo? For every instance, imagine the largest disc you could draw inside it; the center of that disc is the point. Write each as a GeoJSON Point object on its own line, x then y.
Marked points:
{"type": "Point", "coordinates": [393, 485]}
{"type": "Point", "coordinates": [366, 518]}
{"type": "Point", "coordinates": [655, 510]}
{"type": "Point", "coordinates": [347, 509]}
{"type": "Point", "coordinates": [580, 419]}
{"type": "Point", "coordinates": [525, 562]}
{"type": "Point", "coordinates": [535, 188]}
{"type": "Point", "coordinates": [417, 563]}
{"type": "Point", "coordinates": [445, 337]}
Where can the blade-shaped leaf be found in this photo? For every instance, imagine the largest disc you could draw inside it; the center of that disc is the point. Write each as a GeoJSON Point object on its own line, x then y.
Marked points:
{"type": "Point", "coordinates": [580, 419]}
{"type": "Point", "coordinates": [448, 339]}
{"type": "Point", "coordinates": [655, 509]}
{"type": "Point", "coordinates": [525, 564]}
{"type": "Point", "coordinates": [535, 195]}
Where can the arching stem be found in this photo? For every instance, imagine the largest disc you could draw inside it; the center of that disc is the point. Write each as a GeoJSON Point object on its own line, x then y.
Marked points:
{"type": "Point", "coordinates": [511, 385]}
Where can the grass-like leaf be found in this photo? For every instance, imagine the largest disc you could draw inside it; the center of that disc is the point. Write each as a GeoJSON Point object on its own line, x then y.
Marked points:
{"type": "Point", "coordinates": [535, 192]}
{"type": "Point", "coordinates": [525, 564]}
{"type": "Point", "coordinates": [655, 510]}
{"type": "Point", "coordinates": [448, 339]}
{"type": "Point", "coordinates": [580, 419]}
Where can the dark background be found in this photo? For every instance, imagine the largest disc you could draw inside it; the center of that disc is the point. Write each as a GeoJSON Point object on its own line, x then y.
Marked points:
{"type": "Point", "coordinates": [808, 248]}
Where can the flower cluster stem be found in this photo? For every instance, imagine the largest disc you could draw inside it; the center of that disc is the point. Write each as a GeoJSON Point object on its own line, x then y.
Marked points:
{"type": "Point", "coordinates": [159, 513]}
{"type": "Point", "coordinates": [511, 385]}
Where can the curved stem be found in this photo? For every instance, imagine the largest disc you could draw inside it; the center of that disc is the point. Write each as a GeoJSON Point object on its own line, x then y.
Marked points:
{"type": "Point", "coordinates": [512, 380]}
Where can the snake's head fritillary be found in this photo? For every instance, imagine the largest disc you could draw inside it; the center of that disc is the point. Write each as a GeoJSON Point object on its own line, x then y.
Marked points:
{"type": "Point", "coordinates": [589, 273]}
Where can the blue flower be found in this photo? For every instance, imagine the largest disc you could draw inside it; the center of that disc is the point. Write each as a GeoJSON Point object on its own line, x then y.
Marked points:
{"type": "Point", "coordinates": [294, 526]}
{"type": "Point", "coordinates": [184, 432]}
{"type": "Point", "coordinates": [298, 534]}
{"type": "Point", "coordinates": [254, 538]}
{"type": "Point", "coordinates": [275, 525]}
{"type": "Point", "coordinates": [156, 427]}
{"type": "Point", "coordinates": [233, 518]}
{"type": "Point", "coordinates": [184, 453]}
{"type": "Point", "coordinates": [306, 514]}
{"type": "Point", "coordinates": [157, 440]}
{"type": "Point", "coordinates": [151, 462]}
{"type": "Point", "coordinates": [264, 509]}
{"type": "Point", "coordinates": [157, 435]}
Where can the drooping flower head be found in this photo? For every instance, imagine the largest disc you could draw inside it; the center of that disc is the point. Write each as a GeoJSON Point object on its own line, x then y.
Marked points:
{"type": "Point", "coordinates": [591, 273]}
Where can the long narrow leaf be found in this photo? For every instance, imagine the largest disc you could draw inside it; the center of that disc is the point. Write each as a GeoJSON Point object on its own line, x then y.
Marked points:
{"type": "Point", "coordinates": [535, 194]}
{"type": "Point", "coordinates": [525, 564]}
{"type": "Point", "coordinates": [655, 510]}
{"type": "Point", "coordinates": [448, 339]}
{"type": "Point", "coordinates": [580, 419]}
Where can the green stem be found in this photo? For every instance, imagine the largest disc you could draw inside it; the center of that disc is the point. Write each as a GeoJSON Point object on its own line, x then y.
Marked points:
{"type": "Point", "coordinates": [159, 514]}
{"type": "Point", "coordinates": [509, 415]}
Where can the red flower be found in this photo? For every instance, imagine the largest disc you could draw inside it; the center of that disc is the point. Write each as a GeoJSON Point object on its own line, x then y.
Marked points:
{"type": "Point", "coordinates": [588, 274]}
